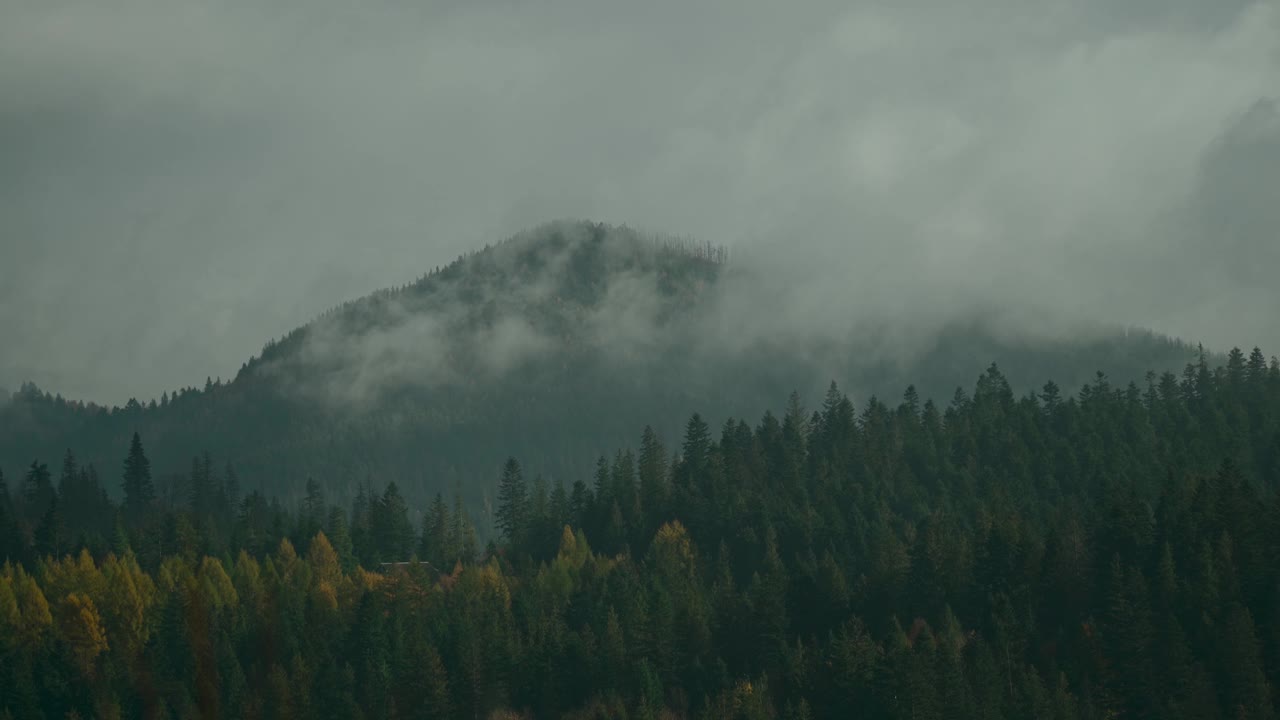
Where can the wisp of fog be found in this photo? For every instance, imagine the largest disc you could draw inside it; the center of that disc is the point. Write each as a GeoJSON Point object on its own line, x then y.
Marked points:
{"type": "Point", "coordinates": [184, 180]}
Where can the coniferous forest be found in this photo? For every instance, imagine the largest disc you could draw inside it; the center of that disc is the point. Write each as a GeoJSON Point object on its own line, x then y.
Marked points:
{"type": "Point", "coordinates": [395, 360]}
{"type": "Point", "coordinates": [1106, 551]}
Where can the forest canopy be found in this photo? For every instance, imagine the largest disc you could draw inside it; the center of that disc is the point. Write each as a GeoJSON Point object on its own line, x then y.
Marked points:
{"type": "Point", "coordinates": [1107, 553]}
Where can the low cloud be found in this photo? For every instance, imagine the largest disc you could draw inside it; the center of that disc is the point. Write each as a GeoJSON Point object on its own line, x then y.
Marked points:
{"type": "Point", "coordinates": [183, 180]}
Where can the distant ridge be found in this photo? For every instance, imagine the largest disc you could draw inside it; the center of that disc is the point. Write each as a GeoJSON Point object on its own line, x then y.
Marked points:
{"type": "Point", "coordinates": [553, 345]}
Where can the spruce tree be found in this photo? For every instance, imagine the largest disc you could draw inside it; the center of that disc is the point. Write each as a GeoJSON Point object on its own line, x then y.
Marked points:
{"type": "Point", "coordinates": [513, 501]}
{"type": "Point", "coordinates": [9, 541]}
{"type": "Point", "coordinates": [437, 534]}
{"type": "Point", "coordinates": [393, 532]}
{"type": "Point", "coordinates": [313, 513]}
{"type": "Point", "coordinates": [653, 476]}
{"type": "Point", "coordinates": [463, 544]}
{"type": "Point", "coordinates": [37, 491]}
{"type": "Point", "coordinates": [139, 492]}
{"type": "Point", "coordinates": [203, 494]}
{"type": "Point", "coordinates": [339, 536]}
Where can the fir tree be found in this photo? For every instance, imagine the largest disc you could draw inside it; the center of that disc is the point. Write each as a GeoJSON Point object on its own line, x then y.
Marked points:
{"type": "Point", "coordinates": [512, 514]}
{"type": "Point", "coordinates": [139, 492]}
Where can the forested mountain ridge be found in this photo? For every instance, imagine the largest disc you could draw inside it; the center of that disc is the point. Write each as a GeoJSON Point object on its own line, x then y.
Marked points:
{"type": "Point", "coordinates": [1105, 554]}
{"type": "Point", "coordinates": [553, 345]}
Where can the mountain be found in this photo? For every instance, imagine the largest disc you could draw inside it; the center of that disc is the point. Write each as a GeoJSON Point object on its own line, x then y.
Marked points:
{"type": "Point", "coordinates": [553, 346]}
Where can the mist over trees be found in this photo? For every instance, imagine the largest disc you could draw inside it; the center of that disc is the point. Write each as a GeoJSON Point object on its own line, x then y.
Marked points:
{"type": "Point", "coordinates": [519, 487]}
{"type": "Point", "coordinates": [552, 346]}
{"type": "Point", "coordinates": [952, 403]}
{"type": "Point", "coordinates": [1108, 552]}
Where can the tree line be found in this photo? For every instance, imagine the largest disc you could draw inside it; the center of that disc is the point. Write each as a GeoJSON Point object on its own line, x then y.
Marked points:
{"type": "Point", "coordinates": [1112, 553]}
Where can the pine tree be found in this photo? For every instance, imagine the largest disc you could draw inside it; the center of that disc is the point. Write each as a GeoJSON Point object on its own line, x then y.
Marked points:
{"type": "Point", "coordinates": [313, 513]}
{"type": "Point", "coordinates": [1256, 371]}
{"type": "Point", "coordinates": [580, 503]}
{"type": "Point", "coordinates": [696, 448]}
{"type": "Point", "coordinates": [339, 536]}
{"type": "Point", "coordinates": [361, 530]}
{"type": "Point", "coordinates": [51, 532]}
{"type": "Point", "coordinates": [203, 494]}
{"type": "Point", "coordinates": [795, 439]}
{"type": "Point", "coordinates": [83, 502]}
{"type": "Point", "coordinates": [512, 515]}
{"type": "Point", "coordinates": [559, 506]}
{"type": "Point", "coordinates": [10, 543]}
{"type": "Point", "coordinates": [139, 492]}
{"type": "Point", "coordinates": [602, 485]}
{"type": "Point", "coordinates": [70, 476]}
{"type": "Point", "coordinates": [37, 490]}
{"type": "Point", "coordinates": [541, 531]}
{"type": "Point", "coordinates": [437, 702]}
{"type": "Point", "coordinates": [769, 599]}
{"type": "Point", "coordinates": [438, 540]}
{"type": "Point", "coordinates": [231, 488]}
{"type": "Point", "coordinates": [463, 544]}
{"type": "Point", "coordinates": [626, 492]}
{"type": "Point", "coordinates": [393, 532]}
{"type": "Point", "coordinates": [1240, 665]}
{"type": "Point", "coordinates": [653, 476]}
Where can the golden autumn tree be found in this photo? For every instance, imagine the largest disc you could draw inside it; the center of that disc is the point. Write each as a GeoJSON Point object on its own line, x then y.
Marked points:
{"type": "Point", "coordinates": [130, 593]}
{"type": "Point", "coordinates": [325, 566]}
{"type": "Point", "coordinates": [215, 585]}
{"type": "Point", "coordinates": [175, 574]}
{"type": "Point", "coordinates": [10, 614]}
{"type": "Point", "coordinates": [33, 610]}
{"type": "Point", "coordinates": [326, 574]}
{"type": "Point", "coordinates": [672, 557]}
{"type": "Point", "coordinates": [80, 626]}
{"type": "Point", "coordinates": [76, 573]}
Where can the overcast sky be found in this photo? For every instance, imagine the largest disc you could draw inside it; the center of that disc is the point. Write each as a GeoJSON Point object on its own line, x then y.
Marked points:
{"type": "Point", "coordinates": [181, 180]}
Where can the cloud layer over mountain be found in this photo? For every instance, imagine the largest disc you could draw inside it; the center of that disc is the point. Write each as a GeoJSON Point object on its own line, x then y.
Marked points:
{"type": "Point", "coordinates": [182, 180]}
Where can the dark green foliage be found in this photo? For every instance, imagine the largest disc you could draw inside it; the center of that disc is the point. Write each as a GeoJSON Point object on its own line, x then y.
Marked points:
{"type": "Point", "coordinates": [139, 491]}
{"type": "Point", "coordinates": [37, 489]}
{"type": "Point", "coordinates": [1107, 554]}
{"type": "Point", "coordinates": [438, 544]}
{"type": "Point", "coordinates": [513, 512]}
{"type": "Point", "coordinates": [393, 532]}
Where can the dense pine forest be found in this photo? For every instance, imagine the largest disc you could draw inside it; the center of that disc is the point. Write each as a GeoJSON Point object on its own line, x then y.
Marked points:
{"type": "Point", "coordinates": [554, 346]}
{"type": "Point", "coordinates": [1108, 551]}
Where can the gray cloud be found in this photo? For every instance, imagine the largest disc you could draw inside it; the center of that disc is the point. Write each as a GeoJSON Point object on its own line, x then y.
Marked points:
{"type": "Point", "coordinates": [183, 180]}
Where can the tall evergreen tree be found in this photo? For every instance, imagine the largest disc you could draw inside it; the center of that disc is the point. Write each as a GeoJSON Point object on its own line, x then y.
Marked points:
{"type": "Point", "coordinates": [513, 502]}
{"type": "Point", "coordinates": [464, 545]}
{"type": "Point", "coordinates": [51, 532]}
{"type": "Point", "coordinates": [653, 476]}
{"type": "Point", "coordinates": [37, 490]}
{"type": "Point", "coordinates": [139, 491]}
{"type": "Point", "coordinates": [339, 536]}
{"type": "Point", "coordinates": [83, 502]}
{"type": "Point", "coordinates": [231, 488]}
{"type": "Point", "coordinates": [314, 512]}
{"type": "Point", "coordinates": [392, 530]}
{"type": "Point", "coordinates": [559, 506]}
{"type": "Point", "coordinates": [202, 485]}
{"type": "Point", "coordinates": [70, 475]}
{"type": "Point", "coordinates": [696, 447]}
{"type": "Point", "coordinates": [10, 546]}
{"type": "Point", "coordinates": [438, 540]}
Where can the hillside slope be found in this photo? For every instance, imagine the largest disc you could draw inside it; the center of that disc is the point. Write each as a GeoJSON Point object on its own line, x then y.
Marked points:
{"type": "Point", "coordinates": [554, 346]}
